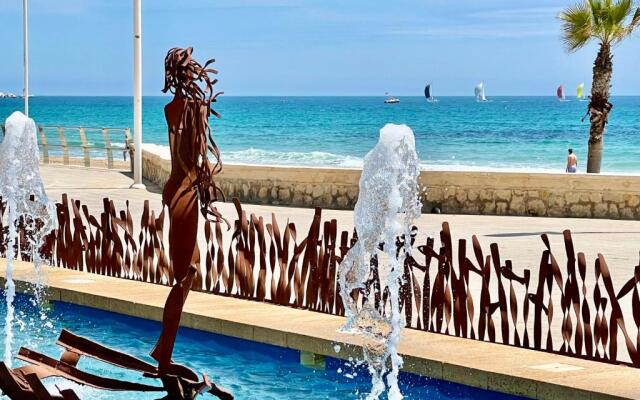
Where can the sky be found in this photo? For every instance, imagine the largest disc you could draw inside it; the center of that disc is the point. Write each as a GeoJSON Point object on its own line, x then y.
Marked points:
{"type": "Point", "coordinates": [306, 47]}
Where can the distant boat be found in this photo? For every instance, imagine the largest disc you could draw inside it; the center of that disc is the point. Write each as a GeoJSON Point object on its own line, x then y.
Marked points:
{"type": "Point", "coordinates": [560, 93]}
{"type": "Point", "coordinates": [580, 92]}
{"type": "Point", "coordinates": [479, 91]}
{"type": "Point", "coordinates": [391, 99]}
{"type": "Point", "coordinates": [428, 94]}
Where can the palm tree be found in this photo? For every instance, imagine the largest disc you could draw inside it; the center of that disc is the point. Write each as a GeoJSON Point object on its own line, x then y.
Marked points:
{"type": "Point", "coordinates": [607, 22]}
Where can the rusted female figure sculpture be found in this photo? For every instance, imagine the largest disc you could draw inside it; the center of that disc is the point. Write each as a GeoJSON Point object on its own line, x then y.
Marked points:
{"type": "Point", "coordinates": [190, 184]}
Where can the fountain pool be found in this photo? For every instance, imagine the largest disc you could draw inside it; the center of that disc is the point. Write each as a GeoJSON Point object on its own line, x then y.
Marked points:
{"type": "Point", "coordinates": [250, 370]}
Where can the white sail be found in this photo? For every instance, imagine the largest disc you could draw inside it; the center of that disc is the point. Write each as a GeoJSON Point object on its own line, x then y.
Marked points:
{"type": "Point", "coordinates": [479, 91]}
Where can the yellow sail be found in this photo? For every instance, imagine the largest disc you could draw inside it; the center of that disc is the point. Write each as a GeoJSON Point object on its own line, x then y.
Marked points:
{"type": "Point", "coordinates": [580, 90]}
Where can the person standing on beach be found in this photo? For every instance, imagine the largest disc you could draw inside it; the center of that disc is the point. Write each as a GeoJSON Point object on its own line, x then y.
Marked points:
{"type": "Point", "coordinates": [572, 162]}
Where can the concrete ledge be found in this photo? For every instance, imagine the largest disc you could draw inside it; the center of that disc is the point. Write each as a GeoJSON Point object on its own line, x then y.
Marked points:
{"type": "Point", "coordinates": [489, 366]}
{"type": "Point", "coordinates": [452, 192]}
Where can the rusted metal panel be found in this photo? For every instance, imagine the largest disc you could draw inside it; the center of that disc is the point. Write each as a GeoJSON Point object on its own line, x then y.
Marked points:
{"type": "Point", "coordinates": [298, 270]}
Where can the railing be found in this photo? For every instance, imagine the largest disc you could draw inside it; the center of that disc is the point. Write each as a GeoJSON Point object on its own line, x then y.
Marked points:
{"type": "Point", "coordinates": [85, 146]}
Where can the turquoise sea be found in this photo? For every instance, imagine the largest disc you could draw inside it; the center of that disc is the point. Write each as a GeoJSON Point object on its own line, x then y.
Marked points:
{"type": "Point", "coordinates": [510, 133]}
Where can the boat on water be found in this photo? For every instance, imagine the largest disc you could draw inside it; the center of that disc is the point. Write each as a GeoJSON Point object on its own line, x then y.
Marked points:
{"type": "Point", "coordinates": [580, 92]}
{"type": "Point", "coordinates": [479, 92]}
{"type": "Point", "coordinates": [560, 93]}
{"type": "Point", "coordinates": [391, 99]}
{"type": "Point", "coordinates": [7, 96]}
{"type": "Point", "coordinates": [429, 94]}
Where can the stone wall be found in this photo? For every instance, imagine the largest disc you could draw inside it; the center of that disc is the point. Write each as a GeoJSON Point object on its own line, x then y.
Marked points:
{"type": "Point", "coordinates": [298, 186]}
{"type": "Point", "coordinates": [534, 194]}
{"type": "Point", "coordinates": [490, 193]}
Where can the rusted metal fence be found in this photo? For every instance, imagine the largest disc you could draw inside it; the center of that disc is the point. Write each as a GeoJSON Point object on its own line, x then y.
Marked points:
{"type": "Point", "coordinates": [85, 146]}
{"type": "Point", "coordinates": [445, 289]}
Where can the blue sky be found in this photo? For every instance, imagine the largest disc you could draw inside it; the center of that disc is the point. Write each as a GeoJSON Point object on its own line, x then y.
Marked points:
{"type": "Point", "coordinates": [307, 47]}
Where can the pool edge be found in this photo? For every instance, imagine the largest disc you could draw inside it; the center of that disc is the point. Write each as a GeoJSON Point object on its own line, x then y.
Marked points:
{"type": "Point", "coordinates": [470, 369]}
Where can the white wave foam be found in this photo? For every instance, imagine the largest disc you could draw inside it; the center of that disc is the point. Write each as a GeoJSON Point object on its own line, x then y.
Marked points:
{"type": "Point", "coordinates": [254, 156]}
{"type": "Point", "coordinates": [160, 150]}
{"type": "Point", "coordinates": [311, 159]}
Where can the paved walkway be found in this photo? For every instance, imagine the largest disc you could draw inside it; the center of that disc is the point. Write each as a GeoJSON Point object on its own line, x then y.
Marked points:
{"type": "Point", "coordinates": [501, 368]}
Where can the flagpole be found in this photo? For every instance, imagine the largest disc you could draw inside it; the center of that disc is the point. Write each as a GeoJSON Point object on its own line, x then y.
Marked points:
{"type": "Point", "coordinates": [25, 44]}
{"type": "Point", "coordinates": [137, 95]}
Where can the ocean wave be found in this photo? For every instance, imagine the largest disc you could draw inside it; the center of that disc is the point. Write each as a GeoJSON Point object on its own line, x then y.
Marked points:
{"type": "Point", "coordinates": [255, 156]}
{"type": "Point", "coordinates": [157, 149]}
{"type": "Point", "coordinates": [311, 159]}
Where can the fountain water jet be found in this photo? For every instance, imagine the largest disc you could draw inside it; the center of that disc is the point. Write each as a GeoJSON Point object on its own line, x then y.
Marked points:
{"type": "Point", "coordinates": [388, 188]}
{"type": "Point", "coordinates": [27, 205]}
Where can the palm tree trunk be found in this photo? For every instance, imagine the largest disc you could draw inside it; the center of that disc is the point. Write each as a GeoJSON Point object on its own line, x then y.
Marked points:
{"type": "Point", "coordinates": [599, 106]}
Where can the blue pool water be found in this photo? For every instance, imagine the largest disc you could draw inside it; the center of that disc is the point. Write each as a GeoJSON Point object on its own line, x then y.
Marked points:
{"type": "Point", "coordinates": [250, 370]}
{"type": "Point", "coordinates": [515, 133]}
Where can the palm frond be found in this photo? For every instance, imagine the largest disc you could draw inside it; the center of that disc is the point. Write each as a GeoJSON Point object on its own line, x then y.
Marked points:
{"type": "Point", "coordinates": [625, 19]}
{"type": "Point", "coordinates": [609, 21]}
{"type": "Point", "coordinates": [619, 11]}
{"type": "Point", "coordinates": [596, 7]}
{"type": "Point", "coordinates": [577, 25]}
{"type": "Point", "coordinates": [635, 21]}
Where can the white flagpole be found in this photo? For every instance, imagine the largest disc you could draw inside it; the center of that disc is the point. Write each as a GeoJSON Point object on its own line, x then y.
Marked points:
{"type": "Point", "coordinates": [137, 95]}
{"type": "Point", "coordinates": [25, 44]}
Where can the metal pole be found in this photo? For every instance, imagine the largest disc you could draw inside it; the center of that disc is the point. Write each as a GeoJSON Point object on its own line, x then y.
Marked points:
{"type": "Point", "coordinates": [25, 61]}
{"type": "Point", "coordinates": [137, 95]}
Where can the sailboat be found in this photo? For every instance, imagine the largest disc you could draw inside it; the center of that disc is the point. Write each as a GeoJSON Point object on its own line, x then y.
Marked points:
{"type": "Point", "coordinates": [560, 93]}
{"type": "Point", "coordinates": [428, 94]}
{"type": "Point", "coordinates": [479, 91]}
{"type": "Point", "coordinates": [580, 92]}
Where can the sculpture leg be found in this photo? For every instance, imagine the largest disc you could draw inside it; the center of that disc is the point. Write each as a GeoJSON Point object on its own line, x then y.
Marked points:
{"type": "Point", "coordinates": [171, 321]}
{"type": "Point", "coordinates": [185, 257]}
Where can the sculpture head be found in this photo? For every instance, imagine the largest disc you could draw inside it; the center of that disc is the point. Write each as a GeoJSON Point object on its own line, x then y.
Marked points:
{"type": "Point", "coordinates": [185, 77]}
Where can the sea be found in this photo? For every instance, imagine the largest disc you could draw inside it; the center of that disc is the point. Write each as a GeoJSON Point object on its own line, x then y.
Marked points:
{"type": "Point", "coordinates": [455, 133]}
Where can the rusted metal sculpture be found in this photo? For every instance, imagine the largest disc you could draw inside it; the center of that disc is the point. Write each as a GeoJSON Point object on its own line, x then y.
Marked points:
{"type": "Point", "coordinates": [190, 186]}
{"type": "Point", "coordinates": [190, 183]}
{"type": "Point", "coordinates": [25, 383]}
{"type": "Point", "coordinates": [295, 270]}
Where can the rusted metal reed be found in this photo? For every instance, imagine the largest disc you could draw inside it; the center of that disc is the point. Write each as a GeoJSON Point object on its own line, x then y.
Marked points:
{"type": "Point", "coordinates": [475, 295]}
